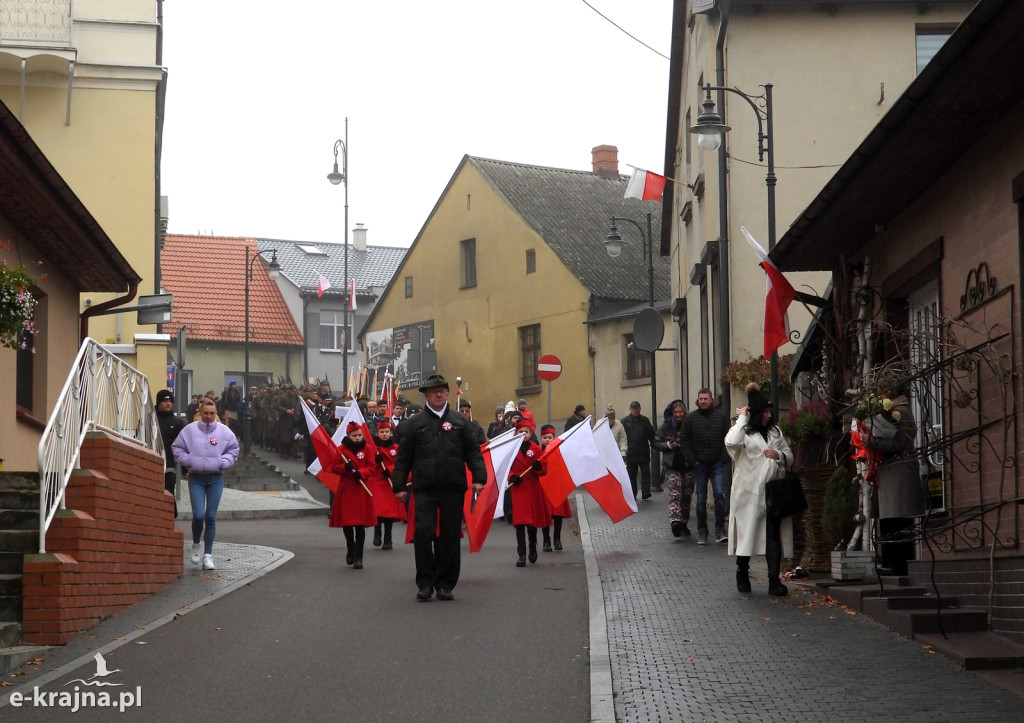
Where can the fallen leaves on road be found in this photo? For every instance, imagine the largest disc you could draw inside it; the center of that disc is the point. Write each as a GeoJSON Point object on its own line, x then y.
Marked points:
{"type": "Point", "coordinates": [6, 684]}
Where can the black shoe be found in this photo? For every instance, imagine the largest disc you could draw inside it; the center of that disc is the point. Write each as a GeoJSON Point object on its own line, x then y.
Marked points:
{"type": "Point", "coordinates": [677, 529]}
{"type": "Point", "coordinates": [775, 587]}
{"type": "Point", "coordinates": [533, 554]}
{"type": "Point", "coordinates": [743, 580]}
{"type": "Point", "coordinates": [358, 564]}
{"type": "Point", "coordinates": [657, 489]}
{"type": "Point", "coordinates": [547, 546]}
{"type": "Point", "coordinates": [444, 593]}
{"type": "Point", "coordinates": [386, 545]}
{"type": "Point", "coordinates": [424, 594]}
{"type": "Point", "coordinates": [558, 544]}
{"type": "Point", "coordinates": [646, 496]}
{"type": "Point", "coordinates": [521, 561]}
{"type": "Point", "coordinates": [350, 557]}
{"type": "Point", "coordinates": [686, 530]}
{"type": "Point", "coordinates": [376, 538]}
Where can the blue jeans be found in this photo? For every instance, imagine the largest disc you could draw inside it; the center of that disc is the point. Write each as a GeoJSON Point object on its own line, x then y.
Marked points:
{"type": "Point", "coordinates": [702, 472]}
{"type": "Point", "coordinates": [204, 491]}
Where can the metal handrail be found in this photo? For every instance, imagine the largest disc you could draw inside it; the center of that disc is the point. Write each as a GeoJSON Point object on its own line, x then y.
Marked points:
{"type": "Point", "coordinates": [102, 392]}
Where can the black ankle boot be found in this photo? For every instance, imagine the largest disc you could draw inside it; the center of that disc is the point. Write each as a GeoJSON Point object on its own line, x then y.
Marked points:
{"type": "Point", "coordinates": [558, 542]}
{"type": "Point", "coordinates": [547, 540]}
{"type": "Point", "coordinates": [775, 587]}
{"type": "Point", "coordinates": [376, 536]}
{"type": "Point", "coordinates": [743, 580]}
{"type": "Point", "coordinates": [350, 555]}
{"type": "Point", "coordinates": [521, 552]}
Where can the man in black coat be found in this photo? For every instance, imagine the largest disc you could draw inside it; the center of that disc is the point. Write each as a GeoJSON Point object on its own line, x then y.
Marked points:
{"type": "Point", "coordinates": [578, 415]}
{"type": "Point", "coordinates": [435, 447]}
{"type": "Point", "coordinates": [639, 438]}
{"type": "Point", "coordinates": [702, 441]}
{"type": "Point", "coordinates": [170, 425]}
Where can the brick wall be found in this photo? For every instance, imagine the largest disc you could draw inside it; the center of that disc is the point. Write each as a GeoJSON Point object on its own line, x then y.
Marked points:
{"type": "Point", "coordinates": [115, 544]}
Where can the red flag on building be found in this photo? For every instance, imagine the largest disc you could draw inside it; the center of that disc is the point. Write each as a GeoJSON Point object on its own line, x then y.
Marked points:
{"type": "Point", "coordinates": [645, 185]}
{"type": "Point", "coordinates": [778, 295]}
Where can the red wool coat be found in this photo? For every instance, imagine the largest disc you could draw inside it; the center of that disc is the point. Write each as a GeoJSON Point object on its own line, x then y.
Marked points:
{"type": "Point", "coordinates": [353, 506]}
{"type": "Point", "coordinates": [530, 505]}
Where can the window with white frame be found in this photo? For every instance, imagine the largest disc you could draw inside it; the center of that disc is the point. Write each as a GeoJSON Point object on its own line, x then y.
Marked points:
{"type": "Point", "coordinates": [332, 331]}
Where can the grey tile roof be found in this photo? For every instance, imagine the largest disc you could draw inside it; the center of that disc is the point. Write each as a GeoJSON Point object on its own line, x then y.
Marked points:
{"type": "Point", "coordinates": [570, 210]}
{"type": "Point", "coordinates": [373, 267]}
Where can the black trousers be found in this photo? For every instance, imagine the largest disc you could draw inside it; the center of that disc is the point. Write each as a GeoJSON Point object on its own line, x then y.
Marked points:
{"type": "Point", "coordinates": [438, 557]}
{"type": "Point", "coordinates": [772, 549]}
{"type": "Point", "coordinates": [644, 468]}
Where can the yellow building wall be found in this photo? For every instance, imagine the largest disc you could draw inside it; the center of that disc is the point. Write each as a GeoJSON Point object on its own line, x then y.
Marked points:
{"type": "Point", "coordinates": [477, 328]}
{"type": "Point", "coordinates": [106, 154]}
{"type": "Point", "coordinates": [834, 76]}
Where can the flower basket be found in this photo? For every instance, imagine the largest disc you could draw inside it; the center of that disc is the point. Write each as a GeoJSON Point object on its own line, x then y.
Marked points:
{"type": "Point", "coordinates": [17, 307]}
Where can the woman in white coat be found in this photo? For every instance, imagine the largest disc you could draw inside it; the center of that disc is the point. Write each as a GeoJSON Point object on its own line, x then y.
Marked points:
{"type": "Point", "coordinates": [759, 453]}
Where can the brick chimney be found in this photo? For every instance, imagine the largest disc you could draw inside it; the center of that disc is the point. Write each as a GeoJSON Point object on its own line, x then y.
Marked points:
{"type": "Point", "coordinates": [359, 237]}
{"type": "Point", "coordinates": [606, 161]}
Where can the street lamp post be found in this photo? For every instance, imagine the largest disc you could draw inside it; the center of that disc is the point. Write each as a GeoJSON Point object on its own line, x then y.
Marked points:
{"type": "Point", "coordinates": [709, 129]}
{"type": "Point", "coordinates": [274, 268]}
{"type": "Point", "coordinates": [613, 245]}
{"type": "Point", "coordinates": [336, 177]}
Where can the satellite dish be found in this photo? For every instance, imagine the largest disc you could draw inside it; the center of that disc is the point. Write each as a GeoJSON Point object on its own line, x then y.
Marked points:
{"type": "Point", "coordinates": [648, 330]}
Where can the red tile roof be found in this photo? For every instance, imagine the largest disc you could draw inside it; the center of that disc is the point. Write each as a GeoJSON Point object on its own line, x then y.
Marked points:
{"type": "Point", "coordinates": [206, 275]}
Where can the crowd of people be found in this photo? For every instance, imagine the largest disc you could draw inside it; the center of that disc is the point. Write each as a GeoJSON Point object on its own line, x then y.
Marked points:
{"type": "Point", "coordinates": [413, 468]}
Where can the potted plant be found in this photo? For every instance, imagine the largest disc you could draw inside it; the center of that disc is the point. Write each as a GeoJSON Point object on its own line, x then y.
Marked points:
{"type": "Point", "coordinates": [740, 374]}
{"type": "Point", "coordinates": [17, 307]}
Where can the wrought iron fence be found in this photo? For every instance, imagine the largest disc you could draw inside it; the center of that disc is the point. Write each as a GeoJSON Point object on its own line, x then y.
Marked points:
{"type": "Point", "coordinates": [104, 393]}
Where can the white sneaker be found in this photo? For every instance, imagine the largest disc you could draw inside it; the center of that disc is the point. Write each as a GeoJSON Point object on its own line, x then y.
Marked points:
{"type": "Point", "coordinates": [208, 562]}
{"type": "Point", "coordinates": [197, 552]}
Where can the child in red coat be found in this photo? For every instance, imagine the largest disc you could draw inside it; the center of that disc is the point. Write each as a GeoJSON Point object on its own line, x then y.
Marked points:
{"type": "Point", "coordinates": [530, 507]}
{"type": "Point", "coordinates": [562, 511]}
{"type": "Point", "coordinates": [385, 505]}
{"type": "Point", "coordinates": [352, 510]}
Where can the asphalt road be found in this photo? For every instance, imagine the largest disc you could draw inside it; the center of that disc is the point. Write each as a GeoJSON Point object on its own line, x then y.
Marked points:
{"type": "Point", "coordinates": [316, 640]}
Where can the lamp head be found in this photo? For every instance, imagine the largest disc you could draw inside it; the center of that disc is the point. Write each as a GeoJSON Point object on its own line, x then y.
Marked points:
{"type": "Point", "coordinates": [274, 268]}
{"type": "Point", "coordinates": [613, 242]}
{"type": "Point", "coordinates": [335, 177]}
{"type": "Point", "coordinates": [709, 127]}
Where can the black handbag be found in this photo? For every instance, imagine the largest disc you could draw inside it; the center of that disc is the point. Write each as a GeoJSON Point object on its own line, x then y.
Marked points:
{"type": "Point", "coordinates": [784, 497]}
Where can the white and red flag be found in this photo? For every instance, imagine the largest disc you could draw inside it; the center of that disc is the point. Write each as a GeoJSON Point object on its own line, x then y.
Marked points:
{"type": "Point", "coordinates": [616, 499]}
{"type": "Point", "coordinates": [573, 459]}
{"type": "Point", "coordinates": [326, 451]}
{"type": "Point", "coordinates": [645, 185]}
{"type": "Point", "coordinates": [778, 295]}
{"type": "Point", "coordinates": [498, 456]}
{"type": "Point", "coordinates": [322, 285]}
{"type": "Point", "coordinates": [352, 294]}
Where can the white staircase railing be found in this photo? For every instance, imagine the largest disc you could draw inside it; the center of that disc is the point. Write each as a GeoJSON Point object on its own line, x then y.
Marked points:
{"type": "Point", "coordinates": [102, 392]}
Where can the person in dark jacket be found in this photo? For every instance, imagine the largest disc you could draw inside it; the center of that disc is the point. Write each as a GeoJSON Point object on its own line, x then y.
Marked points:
{"type": "Point", "coordinates": [702, 441]}
{"type": "Point", "coordinates": [639, 437]}
{"type": "Point", "coordinates": [578, 415]}
{"type": "Point", "coordinates": [435, 447]}
{"type": "Point", "coordinates": [466, 410]}
{"type": "Point", "coordinates": [678, 477]}
{"type": "Point", "coordinates": [170, 426]}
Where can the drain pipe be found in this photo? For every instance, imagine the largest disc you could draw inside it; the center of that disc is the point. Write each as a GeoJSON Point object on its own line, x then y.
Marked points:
{"type": "Point", "coordinates": [725, 325]}
{"type": "Point", "coordinates": [83, 328]}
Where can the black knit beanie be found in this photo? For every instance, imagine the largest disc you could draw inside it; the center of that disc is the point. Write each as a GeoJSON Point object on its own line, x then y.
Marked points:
{"type": "Point", "coordinates": [758, 401]}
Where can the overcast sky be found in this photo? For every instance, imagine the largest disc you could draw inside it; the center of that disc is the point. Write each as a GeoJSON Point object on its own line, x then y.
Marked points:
{"type": "Point", "coordinates": [258, 93]}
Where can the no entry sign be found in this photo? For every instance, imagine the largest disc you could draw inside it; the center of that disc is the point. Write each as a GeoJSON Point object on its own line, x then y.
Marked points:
{"type": "Point", "coordinates": [549, 367]}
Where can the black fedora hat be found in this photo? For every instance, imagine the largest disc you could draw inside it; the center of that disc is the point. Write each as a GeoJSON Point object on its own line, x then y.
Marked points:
{"type": "Point", "coordinates": [433, 382]}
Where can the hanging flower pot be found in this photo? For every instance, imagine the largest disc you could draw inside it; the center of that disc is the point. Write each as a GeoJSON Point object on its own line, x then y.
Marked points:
{"type": "Point", "coordinates": [17, 308]}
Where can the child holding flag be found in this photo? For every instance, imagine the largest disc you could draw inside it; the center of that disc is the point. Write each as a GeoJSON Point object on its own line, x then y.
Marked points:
{"type": "Point", "coordinates": [385, 504]}
{"type": "Point", "coordinates": [530, 506]}
{"type": "Point", "coordinates": [352, 509]}
{"type": "Point", "coordinates": [562, 511]}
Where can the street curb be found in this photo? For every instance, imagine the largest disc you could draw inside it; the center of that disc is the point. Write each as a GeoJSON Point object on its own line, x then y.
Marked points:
{"type": "Point", "coordinates": [602, 699]}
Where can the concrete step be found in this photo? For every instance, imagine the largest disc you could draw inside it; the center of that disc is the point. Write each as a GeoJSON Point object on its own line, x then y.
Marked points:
{"type": "Point", "coordinates": [253, 485]}
{"type": "Point", "coordinates": [21, 541]}
{"type": "Point", "coordinates": [853, 596]}
{"type": "Point", "coordinates": [15, 655]}
{"type": "Point", "coordinates": [11, 562]}
{"type": "Point", "coordinates": [914, 622]}
{"type": "Point", "coordinates": [10, 584]}
{"type": "Point", "coordinates": [19, 519]}
{"type": "Point", "coordinates": [877, 607]}
{"type": "Point", "coordinates": [976, 650]}
{"type": "Point", "coordinates": [10, 608]}
{"type": "Point", "coordinates": [19, 499]}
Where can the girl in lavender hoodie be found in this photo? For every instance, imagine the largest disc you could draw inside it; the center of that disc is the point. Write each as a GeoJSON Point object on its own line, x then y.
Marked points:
{"type": "Point", "coordinates": [205, 448]}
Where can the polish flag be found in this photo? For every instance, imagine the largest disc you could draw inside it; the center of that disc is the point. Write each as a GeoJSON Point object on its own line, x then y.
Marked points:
{"type": "Point", "coordinates": [322, 285]}
{"type": "Point", "coordinates": [498, 456]}
{"type": "Point", "coordinates": [575, 459]}
{"type": "Point", "coordinates": [645, 185]}
{"type": "Point", "coordinates": [326, 451]}
{"type": "Point", "coordinates": [321, 467]}
{"type": "Point", "coordinates": [616, 498]}
{"type": "Point", "coordinates": [778, 295]}
{"type": "Point", "coordinates": [352, 294]}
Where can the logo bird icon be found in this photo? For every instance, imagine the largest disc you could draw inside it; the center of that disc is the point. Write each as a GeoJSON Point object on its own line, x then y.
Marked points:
{"type": "Point", "coordinates": [101, 672]}
{"type": "Point", "coordinates": [101, 667]}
